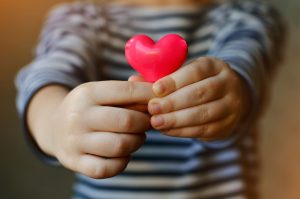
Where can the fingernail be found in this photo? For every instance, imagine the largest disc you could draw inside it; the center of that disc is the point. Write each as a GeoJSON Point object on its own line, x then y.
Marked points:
{"type": "Point", "coordinates": [154, 108]}
{"type": "Point", "coordinates": [157, 121]}
{"type": "Point", "coordinates": [158, 89]}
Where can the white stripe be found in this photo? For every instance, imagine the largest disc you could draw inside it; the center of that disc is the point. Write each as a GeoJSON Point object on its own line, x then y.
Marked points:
{"type": "Point", "coordinates": [211, 191]}
{"type": "Point", "coordinates": [167, 181]}
{"type": "Point", "coordinates": [174, 22]}
{"type": "Point", "coordinates": [145, 166]}
{"type": "Point", "coordinates": [200, 46]}
{"type": "Point", "coordinates": [112, 41]}
{"type": "Point", "coordinates": [153, 11]}
{"type": "Point", "coordinates": [46, 63]}
{"type": "Point", "coordinates": [205, 30]}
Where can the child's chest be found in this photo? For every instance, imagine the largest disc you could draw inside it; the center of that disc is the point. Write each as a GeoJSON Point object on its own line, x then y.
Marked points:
{"type": "Point", "coordinates": [118, 29]}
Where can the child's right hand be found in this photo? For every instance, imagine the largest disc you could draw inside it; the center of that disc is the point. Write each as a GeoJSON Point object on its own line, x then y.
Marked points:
{"type": "Point", "coordinates": [91, 135]}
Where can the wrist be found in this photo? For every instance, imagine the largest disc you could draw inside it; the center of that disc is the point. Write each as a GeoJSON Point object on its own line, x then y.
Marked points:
{"type": "Point", "coordinates": [42, 117]}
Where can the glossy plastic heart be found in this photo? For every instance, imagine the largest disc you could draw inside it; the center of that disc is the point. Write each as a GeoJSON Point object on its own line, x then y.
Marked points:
{"type": "Point", "coordinates": [156, 60]}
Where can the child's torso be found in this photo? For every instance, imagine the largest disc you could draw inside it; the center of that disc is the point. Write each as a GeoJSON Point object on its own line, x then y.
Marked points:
{"type": "Point", "coordinates": [165, 167]}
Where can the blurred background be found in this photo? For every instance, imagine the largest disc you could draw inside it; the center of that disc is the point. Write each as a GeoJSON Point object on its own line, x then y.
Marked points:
{"type": "Point", "coordinates": [23, 176]}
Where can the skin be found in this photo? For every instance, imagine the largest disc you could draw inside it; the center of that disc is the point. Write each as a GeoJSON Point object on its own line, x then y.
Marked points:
{"type": "Point", "coordinates": [87, 131]}
{"type": "Point", "coordinates": [205, 99]}
{"type": "Point", "coordinates": [95, 134]}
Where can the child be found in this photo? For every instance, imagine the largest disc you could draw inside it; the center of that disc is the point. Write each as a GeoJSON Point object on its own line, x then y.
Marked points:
{"type": "Point", "coordinates": [204, 114]}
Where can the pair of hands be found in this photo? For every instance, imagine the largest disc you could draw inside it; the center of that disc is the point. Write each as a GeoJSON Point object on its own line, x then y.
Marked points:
{"type": "Point", "coordinates": [100, 124]}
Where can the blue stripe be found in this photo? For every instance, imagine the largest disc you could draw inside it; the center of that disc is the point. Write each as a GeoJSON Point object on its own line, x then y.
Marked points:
{"type": "Point", "coordinates": [140, 157]}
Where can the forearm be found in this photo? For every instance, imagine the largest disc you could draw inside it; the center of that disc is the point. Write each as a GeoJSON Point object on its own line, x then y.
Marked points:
{"type": "Point", "coordinates": [252, 45]}
{"type": "Point", "coordinates": [40, 115]}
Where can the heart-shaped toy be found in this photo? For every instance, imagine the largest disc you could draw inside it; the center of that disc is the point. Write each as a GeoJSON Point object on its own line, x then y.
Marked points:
{"type": "Point", "coordinates": [156, 60]}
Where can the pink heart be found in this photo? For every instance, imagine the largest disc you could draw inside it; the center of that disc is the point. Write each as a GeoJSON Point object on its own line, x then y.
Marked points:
{"type": "Point", "coordinates": [156, 60]}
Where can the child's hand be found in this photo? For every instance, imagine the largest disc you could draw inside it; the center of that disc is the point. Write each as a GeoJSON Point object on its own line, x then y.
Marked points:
{"type": "Point", "coordinates": [93, 136]}
{"type": "Point", "coordinates": [204, 99]}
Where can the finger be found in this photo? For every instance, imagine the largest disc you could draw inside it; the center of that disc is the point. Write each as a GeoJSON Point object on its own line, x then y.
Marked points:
{"type": "Point", "coordinates": [192, 95]}
{"type": "Point", "coordinates": [137, 107]}
{"type": "Point", "coordinates": [99, 168]}
{"type": "Point", "coordinates": [193, 116]}
{"type": "Point", "coordinates": [197, 70]}
{"type": "Point", "coordinates": [117, 92]}
{"type": "Point", "coordinates": [114, 119]}
{"type": "Point", "coordinates": [111, 145]}
{"type": "Point", "coordinates": [136, 78]}
{"type": "Point", "coordinates": [210, 131]}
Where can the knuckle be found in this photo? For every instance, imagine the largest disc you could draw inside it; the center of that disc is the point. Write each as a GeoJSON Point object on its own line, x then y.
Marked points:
{"type": "Point", "coordinates": [94, 169]}
{"type": "Point", "coordinates": [204, 131]}
{"type": "Point", "coordinates": [168, 104]}
{"type": "Point", "coordinates": [140, 140]}
{"type": "Point", "coordinates": [97, 171]}
{"type": "Point", "coordinates": [235, 78]}
{"type": "Point", "coordinates": [125, 121]}
{"type": "Point", "coordinates": [224, 64]}
{"type": "Point", "coordinates": [207, 64]}
{"type": "Point", "coordinates": [206, 61]}
{"type": "Point", "coordinates": [202, 68]}
{"type": "Point", "coordinates": [120, 146]}
{"type": "Point", "coordinates": [130, 88]}
{"type": "Point", "coordinates": [72, 121]}
{"type": "Point", "coordinates": [71, 143]}
{"type": "Point", "coordinates": [102, 171]}
{"type": "Point", "coordinates": [73, 117]}
{"type": "Point", "coordinates": [236, 105]}
{"type": "Point", "coordinates": [221, 65]}
{"type": "Point", "coordinates": [66, 160]}
{"type": "Point", "coordinates": [199, 94]}
{"type": "Point", "coordinates": [196, 72]}
{"type": "Point", "coordinates": [82, 91]}
{"type": "Point", "coordinates": [128, 122]}
{"type": "Point", "coordinates": [211, 85]}
{"type": "Point", "coordinates": [204, 115]}
{"type": "Point", "coordinates": [232, 103]}
{"type": "Point", "coordinates": [170, 121]}
{"type": "Point", "coordinates": [120, 166]}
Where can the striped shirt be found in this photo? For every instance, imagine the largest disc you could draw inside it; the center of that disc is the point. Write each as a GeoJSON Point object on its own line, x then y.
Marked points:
{"type": "Point", "coordinates": [84, 42]}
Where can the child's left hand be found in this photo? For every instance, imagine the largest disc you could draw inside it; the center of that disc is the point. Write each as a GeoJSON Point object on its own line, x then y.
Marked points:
{"type": "Point", "coordinates": [205, 99]}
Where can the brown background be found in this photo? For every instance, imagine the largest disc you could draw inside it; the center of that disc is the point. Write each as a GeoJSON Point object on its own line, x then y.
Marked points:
{"type": "Point", "coordinates": [22, 176]}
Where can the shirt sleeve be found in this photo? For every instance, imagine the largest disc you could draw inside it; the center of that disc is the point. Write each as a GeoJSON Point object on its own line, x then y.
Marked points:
{"type": "Point", "coordinates": [66, 55]}
{"type": "Point", "coordinates": [250, 39]}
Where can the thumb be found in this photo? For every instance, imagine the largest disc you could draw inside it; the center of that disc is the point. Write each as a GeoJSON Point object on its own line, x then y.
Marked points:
{"type": "Point", "coordinates": [136, 78]}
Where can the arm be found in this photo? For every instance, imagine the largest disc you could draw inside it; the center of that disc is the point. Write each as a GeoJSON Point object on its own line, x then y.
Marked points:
{"type": "Point", "coordinates": [40, 127]}
{"type": "Point", "coordinates": [70, 119]}
{"type": "Point", "coordinates": [216, 98]}
{"type": "Point", "coordinates": [65, 57]}
{"type": "Point", "coordinates": [251, 40]}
